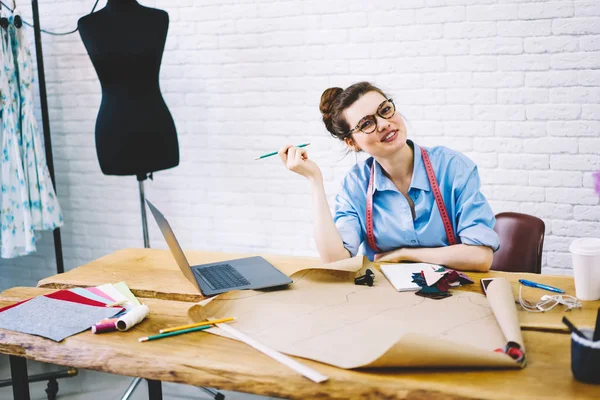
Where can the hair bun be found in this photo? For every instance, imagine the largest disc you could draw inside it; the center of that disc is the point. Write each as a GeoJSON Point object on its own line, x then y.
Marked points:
{"type": "Point", "coordinates": [327, 99]}
{"type": "Point", "coordinates": [326, 106]}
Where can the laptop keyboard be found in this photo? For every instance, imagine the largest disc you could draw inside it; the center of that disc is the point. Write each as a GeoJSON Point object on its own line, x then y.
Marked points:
{"type": "Point", "coordinates": [221, 276]}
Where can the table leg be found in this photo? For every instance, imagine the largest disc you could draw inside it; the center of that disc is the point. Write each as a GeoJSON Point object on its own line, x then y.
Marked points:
{"type": "Point", "coordinates": [20, 380]}
{"type": "Point", "coordinates": [154, 389]}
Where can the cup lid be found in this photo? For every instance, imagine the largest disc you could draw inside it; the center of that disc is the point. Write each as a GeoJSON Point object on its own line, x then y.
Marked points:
{"type": "Point", "coordinates": [585, 246]}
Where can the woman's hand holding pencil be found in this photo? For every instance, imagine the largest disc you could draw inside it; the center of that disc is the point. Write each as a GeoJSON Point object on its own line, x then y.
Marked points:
{"type": "Point", "coordinates": [295, 158]}
{"type": "Point", "coordinates": [275, 152]}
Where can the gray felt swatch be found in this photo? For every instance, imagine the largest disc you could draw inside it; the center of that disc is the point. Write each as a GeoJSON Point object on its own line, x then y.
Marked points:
{"type": "Point", "coordinates": [53, 319]}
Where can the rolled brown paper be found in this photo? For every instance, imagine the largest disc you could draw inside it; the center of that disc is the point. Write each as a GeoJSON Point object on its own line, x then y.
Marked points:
{"type": "Point", "coordinates": [501, 299]}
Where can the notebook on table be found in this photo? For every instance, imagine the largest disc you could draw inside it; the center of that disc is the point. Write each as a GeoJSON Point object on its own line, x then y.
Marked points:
{"type": "Point", "coordinates": [400, 275]}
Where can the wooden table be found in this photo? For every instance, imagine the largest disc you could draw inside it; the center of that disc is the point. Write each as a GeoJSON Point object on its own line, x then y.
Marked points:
{"type": "Point", "coordinates": [153, 273]}
{"type": "Point", "coordinates": [204, 359]}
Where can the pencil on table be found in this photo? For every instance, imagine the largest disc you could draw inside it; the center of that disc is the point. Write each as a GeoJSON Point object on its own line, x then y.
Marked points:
{"type": "Point", "coordinates": [203, 323]}
{"type": "Point", "coordinates": [275, 152]}
{"type": "Point", "coordinates": [178, 330]}
{"type": "Point", "coordinates": [164, 335]}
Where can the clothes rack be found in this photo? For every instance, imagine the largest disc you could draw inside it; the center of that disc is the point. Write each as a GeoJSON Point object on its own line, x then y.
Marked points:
{"type": "Point", "coordinates": [21, 387]}
{"type": "Point", "coordinates": [46, 125]}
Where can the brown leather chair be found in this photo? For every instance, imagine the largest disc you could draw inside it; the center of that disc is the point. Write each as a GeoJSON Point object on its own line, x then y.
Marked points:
{"type": "Point", "coordinates": [521, 243]}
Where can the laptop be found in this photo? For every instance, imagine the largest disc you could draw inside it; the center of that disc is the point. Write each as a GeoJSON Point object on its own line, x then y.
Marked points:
{"type": "Point", "coordinates": [223, 276]}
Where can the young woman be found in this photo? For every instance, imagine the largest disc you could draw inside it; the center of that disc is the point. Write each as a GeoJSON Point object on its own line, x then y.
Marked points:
{"type": "Point", "coordinates": [389, 201]}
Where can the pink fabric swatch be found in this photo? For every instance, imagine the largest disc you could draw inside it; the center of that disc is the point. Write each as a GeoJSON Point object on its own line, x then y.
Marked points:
{"type": "Point", "coordinates": [100, 293]}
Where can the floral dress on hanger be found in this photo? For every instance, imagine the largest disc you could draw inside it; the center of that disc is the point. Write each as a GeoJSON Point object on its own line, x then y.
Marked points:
{"type": "Point", "coordinates": [44, 207]}
{"type": "Point", "coordinates": [16, 232]}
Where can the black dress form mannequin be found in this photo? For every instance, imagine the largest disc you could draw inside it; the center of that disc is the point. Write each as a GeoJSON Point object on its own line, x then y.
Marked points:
{"type": "Point", "coordinates": [135, 133]}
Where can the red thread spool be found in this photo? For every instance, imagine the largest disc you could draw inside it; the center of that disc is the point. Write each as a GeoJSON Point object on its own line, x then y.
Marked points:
{"type": "Point", "coordinates": [102, 327]}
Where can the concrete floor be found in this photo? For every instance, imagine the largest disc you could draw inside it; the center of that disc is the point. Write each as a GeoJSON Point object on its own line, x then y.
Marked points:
{"type": "Point", "coordinates": [91, 385]}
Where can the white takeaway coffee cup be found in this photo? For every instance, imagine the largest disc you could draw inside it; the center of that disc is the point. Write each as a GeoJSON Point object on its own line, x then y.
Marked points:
{"type": "Point", "coordinates": [586, 267]}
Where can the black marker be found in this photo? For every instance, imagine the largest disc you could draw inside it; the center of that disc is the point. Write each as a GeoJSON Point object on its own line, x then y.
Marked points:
{"type": "Point", "coordinates": [597, 330]}
{"type": "Point", "coordinates": [572, 328]}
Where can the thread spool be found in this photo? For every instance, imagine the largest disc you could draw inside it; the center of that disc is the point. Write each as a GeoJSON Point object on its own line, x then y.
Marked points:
{"type": "Point", "coordinates": [132, 318]}
{"type": "Point", "coordinates": [104, 326]}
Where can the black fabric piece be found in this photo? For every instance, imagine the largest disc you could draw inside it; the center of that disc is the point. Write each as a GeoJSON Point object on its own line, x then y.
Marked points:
{"type": "Point", "coordinates": [432, 295]}
{"type": "Point", "coordinates": [367, 279]}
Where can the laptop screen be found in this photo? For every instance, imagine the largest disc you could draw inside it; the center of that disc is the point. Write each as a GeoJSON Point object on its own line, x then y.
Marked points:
{"type": "Point", "coordinates": [173, 244]}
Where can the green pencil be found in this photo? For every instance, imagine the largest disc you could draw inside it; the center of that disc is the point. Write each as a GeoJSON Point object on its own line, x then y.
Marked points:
{"type": "Point", "coordinates": [163, 335]}
{"type": "Point", "coordinates": [275, 152]}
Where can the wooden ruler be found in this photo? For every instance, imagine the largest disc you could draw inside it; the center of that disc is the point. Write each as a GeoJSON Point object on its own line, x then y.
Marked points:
{"type": "Point", "coordinates": [274, 354]}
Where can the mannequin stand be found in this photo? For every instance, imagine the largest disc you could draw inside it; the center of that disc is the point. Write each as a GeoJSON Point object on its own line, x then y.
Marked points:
{"type": "Point", "coordinates": [144, 219]}
{"type": "Point", "coordinates": [154, 387]}
{"type": "Point", "coordinates": [136, 381]}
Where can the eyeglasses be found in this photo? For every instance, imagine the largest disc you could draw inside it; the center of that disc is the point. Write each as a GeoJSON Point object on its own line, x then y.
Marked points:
{"type": "Point", "coordinates": [547, 303]}
{"type": "Point", "coordinates": [368, 124]}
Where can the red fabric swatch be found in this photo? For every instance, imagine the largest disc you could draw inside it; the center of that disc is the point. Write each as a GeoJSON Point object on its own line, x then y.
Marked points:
{"type": "Point", "coordinates": [65, 295]}
{"type": "Point", "coordinates": [13, 305]}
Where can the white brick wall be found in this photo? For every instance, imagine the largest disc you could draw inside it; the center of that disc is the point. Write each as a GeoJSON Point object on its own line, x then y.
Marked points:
{"type": "Point", "coordinates": [515, 84]}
